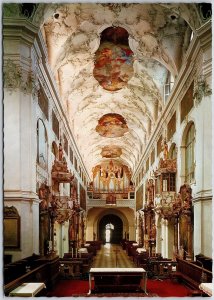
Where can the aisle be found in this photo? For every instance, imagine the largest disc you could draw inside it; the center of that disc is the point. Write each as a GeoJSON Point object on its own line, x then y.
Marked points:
{"type": "Point", "coordinates": [112, 256]}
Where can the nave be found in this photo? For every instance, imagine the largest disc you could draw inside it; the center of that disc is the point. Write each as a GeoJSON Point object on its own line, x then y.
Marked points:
{"type": "Point", "coordinates": [114, 256]}
{"type": "Point", "coordinates": [108, 107]}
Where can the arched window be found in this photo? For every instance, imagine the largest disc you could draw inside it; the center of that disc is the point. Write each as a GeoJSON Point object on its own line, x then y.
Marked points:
{"type": "Point", "coordinates": [42, 144]}
{"type": "Point", "coordinates": [173, 151]}
{"type": "Point", "coordinates": [55, 150]}
{"type": "Point", "coordinates": [190, 154]}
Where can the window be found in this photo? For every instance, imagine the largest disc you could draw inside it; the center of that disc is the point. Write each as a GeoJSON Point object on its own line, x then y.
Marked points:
{"type": "Point", "coordinates": [153, 156]}
{"type": "Point", "coordinates": [71, 156]}
{"type": "Point", "coordinates": [65, 144]}
{"type": "Point", "coordinates": [55, 124]}
{"type": "Point", "coordinates": [168, 182]}
{"type": "Point", "coordinates": [171, 126]}
{"type": "Point", "coordinates": [190, 154]}
{"type": "Point", "coordinates": [173, 152]}
{"type": "Point", "coordinates": [159, 145]}
{"type": "Point", "coordinates": [147, 164]}
{"type": "Point", "coordinates": [42, 144]}
{"type": "Point", "coordinates": [186, 103]}
{"type": "Point", "coordinates": [43, 102]}
{"type": "Point", "coordinates": [168, 86]}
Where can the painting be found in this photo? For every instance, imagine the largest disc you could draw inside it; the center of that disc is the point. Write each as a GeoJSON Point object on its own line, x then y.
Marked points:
{"type": "Point", "coordinates": [112, 125]}
{"type": "Point", "coordinates": [11, 228]}
{"type": "Point", "coordinates": [111, 151]}
{"type": "Point", "coordinates": [114, 59]}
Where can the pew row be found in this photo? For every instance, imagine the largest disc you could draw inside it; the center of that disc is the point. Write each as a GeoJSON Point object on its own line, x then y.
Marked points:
{"type": "Point", "coordinates": [191, 274]}
{"type": "Point", "coordinates": [42, 269]}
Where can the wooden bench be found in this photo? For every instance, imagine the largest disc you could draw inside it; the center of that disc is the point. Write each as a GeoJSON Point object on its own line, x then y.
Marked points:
{"type": "Point", "coordinates": [46, 270]}
{"type": "Point", "coordinates": [192, 275]}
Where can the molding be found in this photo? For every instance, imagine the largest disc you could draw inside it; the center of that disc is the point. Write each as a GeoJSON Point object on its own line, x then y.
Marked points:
{"type": "Point", "coordinates": [202, 199]}
{"type": "Point", "coordinates": [20, 196]}
{"type": "Point", "coordinates": [19, 29]}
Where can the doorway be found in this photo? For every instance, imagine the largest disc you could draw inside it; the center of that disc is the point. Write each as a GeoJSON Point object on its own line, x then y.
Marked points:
{"type": "Point", "coordinates": [111, 229]}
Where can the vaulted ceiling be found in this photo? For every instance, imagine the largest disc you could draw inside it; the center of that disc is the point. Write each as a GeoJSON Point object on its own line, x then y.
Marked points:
{"type": "Point", "coordinates": [150, 40]}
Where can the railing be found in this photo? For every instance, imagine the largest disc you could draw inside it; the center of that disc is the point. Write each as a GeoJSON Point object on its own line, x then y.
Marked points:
{"type": "Point", "coordinates": [102, 202]}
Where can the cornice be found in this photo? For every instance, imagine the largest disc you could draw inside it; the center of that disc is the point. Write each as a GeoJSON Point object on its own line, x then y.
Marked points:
{"type": "Point", "coordinates": [19, 29]}
{"type": "Point", "coordinates": [205, 34]}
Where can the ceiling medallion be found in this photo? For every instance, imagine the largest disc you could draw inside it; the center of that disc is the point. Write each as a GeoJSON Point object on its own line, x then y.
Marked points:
{"type": "Point", "coordinates": [113, 66]}
{"type": "Point", "coordinates": [112, 125]}
{"type": "Point", "coordinates": [111, 151]}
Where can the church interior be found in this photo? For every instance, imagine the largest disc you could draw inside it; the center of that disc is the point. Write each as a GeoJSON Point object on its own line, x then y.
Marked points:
{"type": "Point", "coordinates": [107, 120]}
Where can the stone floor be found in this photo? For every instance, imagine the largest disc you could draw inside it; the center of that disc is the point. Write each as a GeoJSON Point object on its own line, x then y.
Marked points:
{"type": "Point", "coordinates": [112, 256]}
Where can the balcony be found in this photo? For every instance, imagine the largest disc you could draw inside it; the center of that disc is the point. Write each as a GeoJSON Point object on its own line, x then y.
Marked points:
{"type": "Point", "coordinates": [95, 199]}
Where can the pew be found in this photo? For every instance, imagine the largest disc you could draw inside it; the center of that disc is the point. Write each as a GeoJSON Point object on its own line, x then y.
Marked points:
{"type": "Point", "coordinates": [205, 261]}
{"type": "Point", "coordinates": [96, 244]}
{"type": "Point", "coordinates": [42, 269]}
{"type": "Point", "coordinates": [191, 274]}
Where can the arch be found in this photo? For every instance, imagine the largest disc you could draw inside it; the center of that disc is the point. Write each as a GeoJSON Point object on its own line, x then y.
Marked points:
{"type": "Point", "coordinates": [42, 144]}
{"type": "Point", "coordinates": [116, 228]}
{"type": "Point", "coordinates": [54, 149]}
{"type": "Point", "coordinates": [94, 216]}
{"type": "Point", "coordinates": [188, 153]}
{"type": "Point", "coordinates": [173, 151]}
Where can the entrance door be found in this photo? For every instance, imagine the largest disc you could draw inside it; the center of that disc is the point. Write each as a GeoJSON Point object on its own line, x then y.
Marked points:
{"type": "Point", "coordinates": [111, 229]}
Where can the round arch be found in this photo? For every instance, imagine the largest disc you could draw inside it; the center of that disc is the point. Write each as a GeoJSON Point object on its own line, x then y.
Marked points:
{"type": "Point", "coordinates": [172, 151]}
{"type": "Point", "coordinates": [115, 230]}
{"type": "Point", "coordinates": [94, 216]}
{"type": "Point", "coordinates": [183, 150]}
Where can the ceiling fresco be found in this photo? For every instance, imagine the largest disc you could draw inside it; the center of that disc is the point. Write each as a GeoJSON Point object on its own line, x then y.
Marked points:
{"type": "Point", "coordinates": [114, 59]}
{"type": "Point", "coordinates": [111, 151]}
{"type": "Point", "coordinates": [112, 125]}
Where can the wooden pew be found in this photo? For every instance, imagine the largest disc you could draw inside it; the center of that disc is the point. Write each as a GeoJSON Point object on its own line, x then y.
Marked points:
{"type": "Point", "coordinates": [44, 269]}
{"type": "Point", "coordinates": [205, 261]}
{"type": "Point", "coordinates": [191, 274]}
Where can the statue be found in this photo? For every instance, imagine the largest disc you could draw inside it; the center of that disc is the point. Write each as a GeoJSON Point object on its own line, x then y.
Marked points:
{"type": "Point", "coordinates": [44, 195]}
{"type": "Point", "coordinates": [165, 150]}
{"type": "Point", "coordinates": [60, 152]}
{"type": "Point", "coordinates": [150, 192]}
{"type": "Point", "coordinates": [153, 232]}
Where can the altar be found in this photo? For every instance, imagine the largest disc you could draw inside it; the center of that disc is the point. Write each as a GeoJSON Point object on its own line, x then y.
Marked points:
{"type": "Point", "coordinates": [118, 280]}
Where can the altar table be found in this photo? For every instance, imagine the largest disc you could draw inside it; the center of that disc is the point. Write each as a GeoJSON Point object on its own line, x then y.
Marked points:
{"type": "Point", "coordinates": [118, 279]}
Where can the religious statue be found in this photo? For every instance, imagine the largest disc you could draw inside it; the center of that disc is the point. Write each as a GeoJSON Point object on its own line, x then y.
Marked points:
{"type": "Point", "coordinates": [150, 191]}
{"type": "Point", "coordinates": [165, 150]}
{"type": "Point", "coordinates": [60, 152]}
{"type": "Point", "coordinates": [44, 195]}
{"type": "Point", "coordinates": [153, 232]}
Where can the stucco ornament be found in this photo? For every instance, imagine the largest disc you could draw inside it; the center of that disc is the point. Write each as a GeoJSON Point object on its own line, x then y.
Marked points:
{"type": "Point", "coordinates": [16, 78]}
{"type": "Point", "coordinates": [77, 37]}
{"type": "Point", "coordinates": [202, 89]}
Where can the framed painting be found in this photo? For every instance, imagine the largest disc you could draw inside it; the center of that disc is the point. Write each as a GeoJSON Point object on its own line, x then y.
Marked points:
{"type": "Point", "coordinates": [11, 228]}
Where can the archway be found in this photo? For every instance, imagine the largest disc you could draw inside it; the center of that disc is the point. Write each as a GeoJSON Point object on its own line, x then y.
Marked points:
{"type": "Point", "coordinates": [116, 230]}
